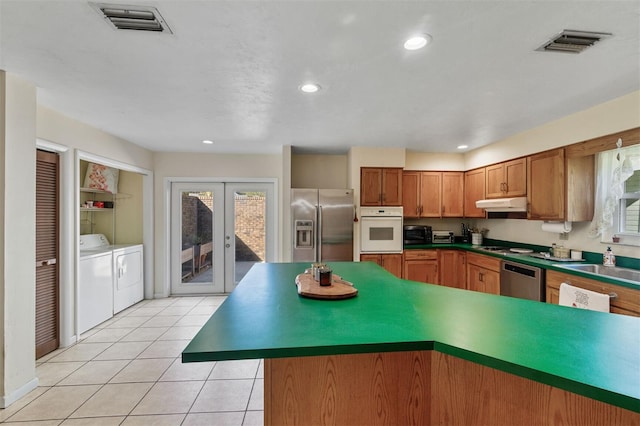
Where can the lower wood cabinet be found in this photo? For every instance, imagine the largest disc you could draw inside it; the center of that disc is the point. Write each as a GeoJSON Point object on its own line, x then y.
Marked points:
{"type": "Point", "coordinates": [453, 270]}
{"type": "Point", "coordinates": [483, 273]}
{"type": "Point", "coordinates": [421, 265]}
{"type": "Point", "coordinates": [627, 301]}
{"type": "Point", "coordinates": [390, 262]}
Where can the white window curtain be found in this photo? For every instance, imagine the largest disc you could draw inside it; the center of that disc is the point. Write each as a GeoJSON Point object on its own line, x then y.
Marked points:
{"type": "Point", "coordinates": [613, 168]}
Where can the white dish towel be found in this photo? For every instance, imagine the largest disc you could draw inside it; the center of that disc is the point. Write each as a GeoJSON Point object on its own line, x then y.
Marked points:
{"type": "Point", "coordinates": [583, 299]}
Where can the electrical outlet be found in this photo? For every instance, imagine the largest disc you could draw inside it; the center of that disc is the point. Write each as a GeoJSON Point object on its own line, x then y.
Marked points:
{"type": "Point", "coordinates": [564, 236]}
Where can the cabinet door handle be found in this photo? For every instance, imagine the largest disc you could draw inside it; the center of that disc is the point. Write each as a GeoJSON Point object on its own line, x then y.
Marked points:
{"type": "Point", "coordinates": [480, 276]}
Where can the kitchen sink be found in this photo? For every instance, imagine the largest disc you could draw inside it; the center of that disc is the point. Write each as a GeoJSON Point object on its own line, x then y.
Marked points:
{"type": "Point", "coordinates": [610, 271]}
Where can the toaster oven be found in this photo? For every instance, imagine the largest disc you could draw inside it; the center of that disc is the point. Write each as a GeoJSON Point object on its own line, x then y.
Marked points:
{"type": "Point", "coordinates": [442, 237]}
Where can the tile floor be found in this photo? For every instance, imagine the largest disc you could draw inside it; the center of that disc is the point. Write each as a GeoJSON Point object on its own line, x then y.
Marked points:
{"type": "Point", "coordinates": [127, 371]}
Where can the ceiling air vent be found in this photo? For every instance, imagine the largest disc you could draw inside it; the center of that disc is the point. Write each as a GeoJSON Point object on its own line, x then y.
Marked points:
{"type": "Point", "coordinates": [140, 18]}
{"type": "Point", "coordinates": [571, 41]}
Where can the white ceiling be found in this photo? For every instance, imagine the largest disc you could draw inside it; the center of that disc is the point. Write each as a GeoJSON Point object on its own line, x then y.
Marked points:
{"type": "Point", "coordinates": [231, 69]}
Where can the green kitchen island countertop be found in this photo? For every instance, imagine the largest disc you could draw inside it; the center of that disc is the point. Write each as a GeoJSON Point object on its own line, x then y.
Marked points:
{"type": "Point", "coordinates": [589, 353]}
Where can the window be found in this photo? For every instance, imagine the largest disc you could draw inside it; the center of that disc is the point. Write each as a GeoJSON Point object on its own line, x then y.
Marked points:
{"type": "Point", "coordinates": [629, 221]}
{"type": "Point", "coordinates": [617, 197]}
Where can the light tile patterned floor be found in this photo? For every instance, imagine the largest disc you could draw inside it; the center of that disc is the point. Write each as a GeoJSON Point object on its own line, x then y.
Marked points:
{"type": "Point", "coordinates": [127, 371]}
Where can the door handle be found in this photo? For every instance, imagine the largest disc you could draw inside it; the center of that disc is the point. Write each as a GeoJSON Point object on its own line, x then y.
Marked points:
{"type": "Point", "coordinates": [47, 262]}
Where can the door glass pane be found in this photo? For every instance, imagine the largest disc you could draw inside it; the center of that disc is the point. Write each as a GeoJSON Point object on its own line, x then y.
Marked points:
{"type": "Point", "coordinates": [250, 231]}
{"type": "Point", "coordinates": [197, 237]}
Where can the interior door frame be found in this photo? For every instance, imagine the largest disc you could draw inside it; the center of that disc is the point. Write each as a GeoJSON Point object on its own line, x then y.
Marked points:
{"type": "Point", "coordinates": [275, 218]}
{"type": "Point", "coordinates": [66, 227]}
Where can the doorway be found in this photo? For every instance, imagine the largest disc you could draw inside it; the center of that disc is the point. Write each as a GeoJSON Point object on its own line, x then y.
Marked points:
{"type": "Point", "coordinates": [218, 231]}
{"type": "Point", "coordinates": [47, 238]}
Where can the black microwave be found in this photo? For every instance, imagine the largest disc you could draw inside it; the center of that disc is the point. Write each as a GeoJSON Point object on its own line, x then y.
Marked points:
{"type": "Point", "coordinates": [417, 234]}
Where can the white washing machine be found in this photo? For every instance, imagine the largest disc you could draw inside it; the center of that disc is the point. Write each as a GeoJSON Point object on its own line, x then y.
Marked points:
{"type": "Point", "coordinates": [95, 281]}
{"type": "Point", "coordinates": [111, 279]}
{"type": "Point", "coordinates": [128, 276]}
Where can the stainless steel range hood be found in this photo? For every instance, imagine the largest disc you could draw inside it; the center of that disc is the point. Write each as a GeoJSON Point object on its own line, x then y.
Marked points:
{"type": "Point", "coordinates": [516, 204]}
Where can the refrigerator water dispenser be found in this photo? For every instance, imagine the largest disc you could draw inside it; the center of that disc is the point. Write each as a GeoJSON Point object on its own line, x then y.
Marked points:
{"type": "Point", "coordinates": [304, 233]}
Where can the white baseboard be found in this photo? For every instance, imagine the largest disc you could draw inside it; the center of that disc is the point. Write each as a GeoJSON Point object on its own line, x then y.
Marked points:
{"type": "Point", "coordinates": [7, 400]}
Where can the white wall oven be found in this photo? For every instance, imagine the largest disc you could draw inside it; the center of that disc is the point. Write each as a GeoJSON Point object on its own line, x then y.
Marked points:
{"type": "Point", "coordinates": [381, 230]}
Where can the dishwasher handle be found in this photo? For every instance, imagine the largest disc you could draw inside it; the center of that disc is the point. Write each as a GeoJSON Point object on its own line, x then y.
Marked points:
{"type": "Point", "coordinates": [520, 270]}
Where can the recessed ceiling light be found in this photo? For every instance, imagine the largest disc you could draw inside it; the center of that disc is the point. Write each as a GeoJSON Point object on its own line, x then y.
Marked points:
{"type": "Point", "coordinates": [417, 42]}
{"type": "Point", "coordinates": [207, 142]}
{"type": "Point", "coordinates": [463, 146]}
{"type": "Point", "coordinates": [309, 88]}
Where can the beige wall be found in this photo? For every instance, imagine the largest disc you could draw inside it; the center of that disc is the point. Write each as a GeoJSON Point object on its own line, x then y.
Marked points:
{"type": "Point", "coordinates": [619, 114]}
{"type": "Point", "coordinates": [319, 171]}
{"type": "Point", "coordinates": [434, 161]}
{"type": "Point", "coordinates": [221, 167]}
{"type": "Point", "coordinates": [17, 236]}
{"type": "Point", "coordinates": [616, 115]}
{"type": "Point", "coordinates": [610, 117]}
{"type": "Point", "coordinates": [58, 128]}
{"type": "Point", "coordinates": [128, 209]}
{"type": "Point", "coordinates": [23, 122]}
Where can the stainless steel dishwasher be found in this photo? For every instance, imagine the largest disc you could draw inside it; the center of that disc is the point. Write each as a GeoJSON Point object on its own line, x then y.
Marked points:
{"type": "Point", "coordinates": [522, 281]}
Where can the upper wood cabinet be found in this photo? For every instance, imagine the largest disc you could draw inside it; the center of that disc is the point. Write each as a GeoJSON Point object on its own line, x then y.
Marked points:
{"type": "Point", "coordinates": [546, 185]}
{"type": "Point", "coordinates": [411, 194]}
{"type": "Point", "coordinates": [433, 194]}
{"type": "Point", "coordinates": [474, 190]}
{"type": "Point", "coordinates": [452, 194]}
{"type": "Point", "coordinates": [508, 179]}
{"type": "Point", "coordinates": [580, 187]}
{"type": "Point", "coordinates": [380, 186]}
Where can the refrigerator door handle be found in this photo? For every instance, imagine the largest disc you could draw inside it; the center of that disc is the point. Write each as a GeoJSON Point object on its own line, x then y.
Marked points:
{"type": "Point", "coordinates": [319, 239]}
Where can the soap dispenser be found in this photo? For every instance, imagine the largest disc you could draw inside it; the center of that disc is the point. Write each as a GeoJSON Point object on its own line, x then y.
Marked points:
{"type": "Point", "coordinates": [609, 259]}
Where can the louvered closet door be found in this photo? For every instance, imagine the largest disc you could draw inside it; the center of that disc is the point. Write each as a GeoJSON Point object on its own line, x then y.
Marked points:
{"type": "Point", "coordinates": [47, 304]}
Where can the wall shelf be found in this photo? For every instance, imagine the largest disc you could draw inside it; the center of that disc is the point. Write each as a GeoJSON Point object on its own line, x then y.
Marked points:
{"type": "Point", "coordinates": [116, 196]}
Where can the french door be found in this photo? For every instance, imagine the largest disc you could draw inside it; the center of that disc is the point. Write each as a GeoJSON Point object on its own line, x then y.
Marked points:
{"type": "Point", "coordinates": [218, 231]}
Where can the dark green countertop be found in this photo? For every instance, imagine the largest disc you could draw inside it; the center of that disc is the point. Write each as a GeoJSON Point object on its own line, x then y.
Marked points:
{"type": "Point", "coordinates": [590, 353]}
{"type": "Point", "coordinates": [541, 263]}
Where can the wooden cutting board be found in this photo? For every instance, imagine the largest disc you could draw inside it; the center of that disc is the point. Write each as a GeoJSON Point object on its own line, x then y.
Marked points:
{"type": "Point", "coordinates": [339, 288]}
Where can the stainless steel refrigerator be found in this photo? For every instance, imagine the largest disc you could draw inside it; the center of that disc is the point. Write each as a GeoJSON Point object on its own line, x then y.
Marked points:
{"type": "Point", "coordinates": [322, 224]}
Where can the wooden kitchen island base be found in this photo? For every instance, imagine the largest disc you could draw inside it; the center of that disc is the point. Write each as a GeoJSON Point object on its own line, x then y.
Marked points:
{"type": "Point", "coordinates": [404, 352]}
{"type": "Point", "coordinates": [419, 388]}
